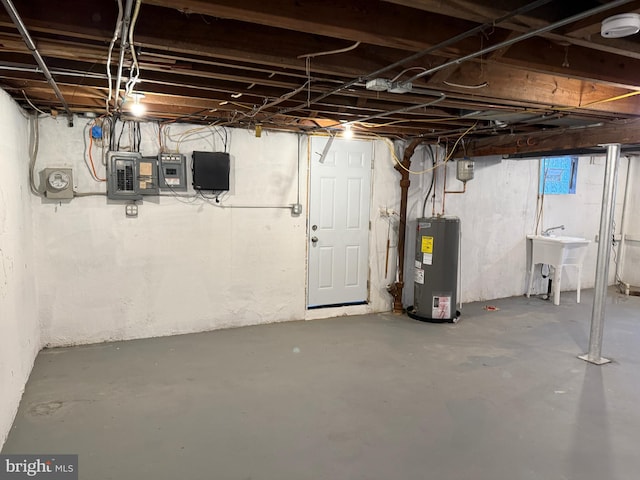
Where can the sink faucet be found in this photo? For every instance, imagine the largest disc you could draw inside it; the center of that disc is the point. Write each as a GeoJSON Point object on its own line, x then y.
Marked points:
{"type": "Point", "coordinates": [547, 232]}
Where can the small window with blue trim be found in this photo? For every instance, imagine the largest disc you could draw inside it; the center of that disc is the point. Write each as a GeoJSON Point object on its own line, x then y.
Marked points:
{"type": "Point", "coordinates": [558, 175]}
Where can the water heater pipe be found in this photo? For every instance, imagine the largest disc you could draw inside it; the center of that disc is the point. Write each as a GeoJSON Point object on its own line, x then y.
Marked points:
{"type": "Point", "coordinates": [445, 191]}
{"type": "Point", "coordinates": [396, 288]}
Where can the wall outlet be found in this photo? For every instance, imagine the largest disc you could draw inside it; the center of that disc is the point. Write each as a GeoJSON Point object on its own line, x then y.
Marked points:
{"type": "Point", "coordinates": [131, 210]}
{"type": "Point", "coordinates": [387, 212]}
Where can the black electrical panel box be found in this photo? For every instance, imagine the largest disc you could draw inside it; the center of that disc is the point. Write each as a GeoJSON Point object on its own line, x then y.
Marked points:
{"type": "Point", "coordinates": [211, 171]}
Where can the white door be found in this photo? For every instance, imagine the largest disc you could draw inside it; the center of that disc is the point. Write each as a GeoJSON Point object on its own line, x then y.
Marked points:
{"type": "Point", "coordinates": [340, 187]}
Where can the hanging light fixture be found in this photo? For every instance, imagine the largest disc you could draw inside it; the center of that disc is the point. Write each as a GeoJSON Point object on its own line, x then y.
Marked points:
{"type": "Point", "coordinates": [137, 108]}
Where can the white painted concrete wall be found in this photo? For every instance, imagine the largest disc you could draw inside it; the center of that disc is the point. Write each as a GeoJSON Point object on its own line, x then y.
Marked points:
{"type": "Point", "coordinates": [498, 211]}
{"type": "Point", "coordinates": [185, 264]}
{"type": "Point", "coordinates": [19, 331]}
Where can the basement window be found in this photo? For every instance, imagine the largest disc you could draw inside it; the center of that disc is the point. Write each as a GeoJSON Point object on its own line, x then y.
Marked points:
{"type": "Point", "coordinates": [558, 175]}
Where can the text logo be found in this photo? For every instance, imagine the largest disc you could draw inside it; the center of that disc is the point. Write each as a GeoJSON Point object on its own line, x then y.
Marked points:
{"type": "Point", "coordinates": [50, 467]}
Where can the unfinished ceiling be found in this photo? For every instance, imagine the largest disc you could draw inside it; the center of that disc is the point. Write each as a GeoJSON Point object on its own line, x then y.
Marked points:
{"type": "Point", "coordinates": [510, 74]}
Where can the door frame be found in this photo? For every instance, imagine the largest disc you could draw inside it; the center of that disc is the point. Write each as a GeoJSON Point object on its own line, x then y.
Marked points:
{"type": "Point", "coordinates": [338, 309]}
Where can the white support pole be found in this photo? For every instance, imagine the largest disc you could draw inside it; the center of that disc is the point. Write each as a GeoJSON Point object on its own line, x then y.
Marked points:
{"type": "Point", "coordinates": [604, 249]}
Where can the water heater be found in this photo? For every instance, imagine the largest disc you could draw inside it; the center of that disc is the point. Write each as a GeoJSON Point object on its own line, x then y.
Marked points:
{"type": "Point", "coordinates": [436, 270]}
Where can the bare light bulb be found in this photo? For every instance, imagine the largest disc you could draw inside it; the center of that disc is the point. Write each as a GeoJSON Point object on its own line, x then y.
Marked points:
{"type": "Point", "coordinates": [347, 133]}
{"type": "Point", "coordinates": [137, 109]}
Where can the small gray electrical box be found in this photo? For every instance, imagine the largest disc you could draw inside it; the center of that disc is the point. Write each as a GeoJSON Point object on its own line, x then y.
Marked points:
{"type": "Point", "coordinates": [172, 171]}
{"type": "Point", "coordinates": [464, 169]}
{"type": "Point", "coordinates": [57, 183]}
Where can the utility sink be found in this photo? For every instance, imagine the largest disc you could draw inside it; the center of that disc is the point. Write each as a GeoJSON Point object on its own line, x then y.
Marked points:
{"type": "Point", "coordinates": [560, 251]}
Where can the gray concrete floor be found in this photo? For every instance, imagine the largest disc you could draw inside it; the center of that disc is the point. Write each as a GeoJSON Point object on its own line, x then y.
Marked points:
{"type": "Point", "coordinates": [500, 395]}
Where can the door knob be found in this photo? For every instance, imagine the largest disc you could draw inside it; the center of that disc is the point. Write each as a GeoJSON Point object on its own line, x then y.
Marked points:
{"type": "Point", "coordinates": [314, 239]}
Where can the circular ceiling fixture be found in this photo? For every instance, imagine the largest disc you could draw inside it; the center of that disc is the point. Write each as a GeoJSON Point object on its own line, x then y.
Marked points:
{"type": "Point", "coordinates": [621, 25]}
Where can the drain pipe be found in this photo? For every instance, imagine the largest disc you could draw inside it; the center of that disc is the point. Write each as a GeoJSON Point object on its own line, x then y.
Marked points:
{"type": "Point", "coordinates": [396, 289]}
{"type": "Point", "coordinates": [13, 13]}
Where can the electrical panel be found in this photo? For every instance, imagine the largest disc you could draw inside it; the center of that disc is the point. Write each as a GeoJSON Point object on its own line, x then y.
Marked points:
{"type": "Point", "coordinates": [172, 171]}
{"type": "Point", "coordinates": [211, 171]}
{"type": "Point", "coordinates": [130, 176]}
{"type": "Point", "coordinates": [122, 176]}
{"type": "Point", "coordinates": [57, 183]}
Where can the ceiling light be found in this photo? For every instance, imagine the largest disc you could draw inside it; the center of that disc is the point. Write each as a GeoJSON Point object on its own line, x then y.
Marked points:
{"type": "Point", "coordinates": [619, 26]}
{"type": "Point", "coordinates": [137, 108]}
{"type": "Point", "coordinates": [347, 132]}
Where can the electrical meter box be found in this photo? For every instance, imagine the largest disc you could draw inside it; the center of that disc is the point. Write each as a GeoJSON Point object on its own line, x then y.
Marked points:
{"type": "Point", "coordinates": [436, 270]}
{"type": "Point", "coordinates": [131, 176]}
{"type": "Point", "coordinates": [172, 171]}
{"type": "Point", "coordinates": [57, 183]}
{"type": "Point", "coordinates": [211, 171]}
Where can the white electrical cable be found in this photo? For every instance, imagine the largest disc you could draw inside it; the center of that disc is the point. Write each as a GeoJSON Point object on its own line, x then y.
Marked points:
{"type": "Point", "coordinates": [133, 77]}
{"type": "Point", "coordinates": [34, 140]}
{"type": "Point", "coordinates": [405, 71]}
{"type": "Point", "coordinates": [330, 52]}
{"type": "Point", "coordinates": [32, 105]}
{"type": "Point", "coordinates": [276, 101]}
{"type": "Point", "coordinates": [116, 34]}
{"type": "Point", "coordinates": [471, 87]}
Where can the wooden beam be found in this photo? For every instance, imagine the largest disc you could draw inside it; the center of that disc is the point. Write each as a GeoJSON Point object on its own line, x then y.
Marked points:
{"type": "Point", "coordinates": [441, 76]}
{"type": "Point", "coordinates": [581, 33]}
{"type": "Point", "coordinates": [550, 92]}
{"type": "Point", "coordinates": [625, 133]}
{"type": "Point", "coordinates": [474, 11]}
{"type": "Point", "coordinates": [234, 41]}
{"type": "Point", "coordinates": [360, 20]}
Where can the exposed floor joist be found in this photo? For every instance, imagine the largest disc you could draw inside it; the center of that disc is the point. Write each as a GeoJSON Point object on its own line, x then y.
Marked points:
{"type": "Point", "coordinates": [242, 62]}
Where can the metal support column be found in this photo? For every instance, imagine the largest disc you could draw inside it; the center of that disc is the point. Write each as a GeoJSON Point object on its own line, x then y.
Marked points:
{"type": "Point", "coordinates": [604, 248]}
